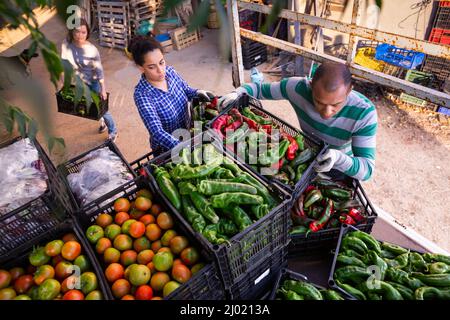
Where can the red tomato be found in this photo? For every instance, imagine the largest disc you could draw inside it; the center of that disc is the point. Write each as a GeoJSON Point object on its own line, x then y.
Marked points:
{"type": "Point", "coordinates": [144, 292]}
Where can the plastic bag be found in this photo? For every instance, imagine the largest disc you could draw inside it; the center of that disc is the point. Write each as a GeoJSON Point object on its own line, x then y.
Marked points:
{"type": "Point", "coordinates": [22, 175]}
{"type": "Point", "coordinates": [102, 172]}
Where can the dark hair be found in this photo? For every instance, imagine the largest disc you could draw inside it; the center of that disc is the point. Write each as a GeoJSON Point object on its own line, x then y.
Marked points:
{"type": "Point", "coordinates": [141, 45]}
{"type": "Point", "coordinates": [83, 22]}
{"type": "Point", "coordinates": [332, 75]}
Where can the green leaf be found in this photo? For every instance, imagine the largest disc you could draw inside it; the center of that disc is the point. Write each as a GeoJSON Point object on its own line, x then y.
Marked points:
{"type": "Point", "coordinates": [200, 18]}
{"type": "Point", "coordinates": [87, 95]}
{"type": "Point", "coordinates": [68, 73]}
{"type": "Point", "coordinates": [21, 122]}
{"type": "Point", "coordinates": [277, 6]}
{"type": "Point", "coordinates": [379, 3]}
{"type": "Point", "coordinates": [51, 143]}
{"type": "Point", "coordinates": [32, 129]}
{"type": "Point", "coordinates": [170, 4]}
{"type": "Point", "coordinates": [6, 116]}
{"type": "Point", "coordinates": [79, 89]}
{"type": "Point", "coordinates": [96, 99]}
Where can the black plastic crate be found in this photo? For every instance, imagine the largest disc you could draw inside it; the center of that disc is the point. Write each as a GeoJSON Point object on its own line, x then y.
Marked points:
{"type": "Point", "coordinates": [138, 165]}
{"type": "Point", "coordinates": [258, 282]}
{"type": "Point", "coordinates": [74, 166]}
{"type": "Point", "coordinates": [23, 224]}
{"type": "Point", "coordinates": [204, 285]}
{"type": "Point", "coordinates": [326, 239]}
{"type": "Point", "coordinates": [20, 258]}
{"type": "Point", "coordinates": [343, 231]}
{"type": "Point", "coordinates": [440, 67]}
{"type": "Point", "coordinates": [81, 110]}
{"type": "Point", "coordinates": [246, 100]}
{"type": "Point", "coordinates": [253, 53]}
{"type": "Point", "coordinates": [285, 274]}
{"type": "Point", "coordinates": [250, 247]}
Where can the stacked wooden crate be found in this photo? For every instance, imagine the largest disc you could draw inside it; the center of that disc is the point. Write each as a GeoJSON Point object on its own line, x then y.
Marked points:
{"type": "Point", "coordinates": [113, 23]}
{"type": "Point", "coordinates": [181, 38]}
{"type": "Point", "coordinates": [144, 10]}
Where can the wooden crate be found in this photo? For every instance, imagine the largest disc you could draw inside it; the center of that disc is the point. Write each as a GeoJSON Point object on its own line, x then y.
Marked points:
{"type": "Point", "coordinates": [113, 24]}
{"type": "Point", "coordinates": [167, 45]}
{"type": "Point", "coordinates": [213, 20]}
{"type": "Point", "coordinates": [182, 39]}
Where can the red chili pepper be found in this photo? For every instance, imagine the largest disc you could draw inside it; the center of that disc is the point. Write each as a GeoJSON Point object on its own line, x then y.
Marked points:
{"type": "Point", "coordinates": [293, 147]}
{"type": "Point", "coordinates": [345, 218]}
{"type": "Point", "coordinates": [236, 114]}
{"type": "Point", "coordinates": [233, 126]}
{"type": "Point", "coordinates": [355, 214]}
{"type": "Point", "coordinates": [309, 188]}
{"type": "Point", "coordinates": [267, 128]}
{"type": "Point", "coordinates": [142, 172]}
{"type": "Point", "coordinates": [322, 221]}
{"type": "Point", "coordinates": [277, 165]}
{"type": "Point", "coordinates": [220, 123]}
{"type": "Point", "coordinates": [251, 124]}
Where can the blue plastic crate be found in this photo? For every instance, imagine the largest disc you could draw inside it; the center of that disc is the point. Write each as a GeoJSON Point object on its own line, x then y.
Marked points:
{"type": "Point", "coordinates": [444, 110]}
{"type": "Point", "coordinates": [407, 59]}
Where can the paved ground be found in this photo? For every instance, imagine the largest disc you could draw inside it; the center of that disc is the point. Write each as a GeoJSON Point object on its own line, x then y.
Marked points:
{"type": "Point", "coordinates": [412, 176]}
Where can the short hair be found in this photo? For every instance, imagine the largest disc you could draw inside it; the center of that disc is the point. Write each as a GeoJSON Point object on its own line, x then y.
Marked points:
{"type": "Point", "coordinates": [333, 75]}
{"type": "Point", "coordinates": [83, 22]}
{"type": "Point", "coordinates": [141, 45]}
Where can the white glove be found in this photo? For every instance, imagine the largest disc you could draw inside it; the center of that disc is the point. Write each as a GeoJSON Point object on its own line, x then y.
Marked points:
{"type": "Point", "coordinates": [327, 160]}
{"type": "Point", "coordinates": [225, 100]}
{"type": "Point", "coordinates": [205, 95]}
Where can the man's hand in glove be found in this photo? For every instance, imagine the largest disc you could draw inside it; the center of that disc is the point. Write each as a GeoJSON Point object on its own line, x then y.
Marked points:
{"type": "Point", "coordinates": [327, 160]}
{"type": "Point", "coordinates": [225, 100]}
{"type": "Point", "coordinates": [204, 95]}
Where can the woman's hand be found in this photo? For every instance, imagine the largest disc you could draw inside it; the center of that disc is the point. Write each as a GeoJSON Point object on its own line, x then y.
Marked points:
{"type": "Point", "coordinates": [103, 94]}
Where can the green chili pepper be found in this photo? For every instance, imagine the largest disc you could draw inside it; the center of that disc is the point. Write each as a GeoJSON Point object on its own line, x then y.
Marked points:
{"type": "Point", "coordinates": [304, 156]}
{"type": "Point", "coordinates": [204, 207]}
{"type": "Point", "coordinates": [299, 171]}
{"type": "Point", "coordinates": [260, 210]}
{"type": "Point", "coordinates": [249, 114]}
{"type": "Point", "coordinates": [239, 217]}
{"type": "Point", "coordinates": [351, 290]}
{"type": "Point", "coordinates": [228, 198]}
{"type": "Point", "coordinates": [370, 242]}
{"type": "Point", "coordinates": [402, 277]}
{"type": "Point", "coordinates": [426, 293]}
{"type": "Point", "coordinates": [438, 268]}
{"type": "Point", "coordinates": [349, 261]}
{"type": "Point", "coordinates": [417, 263]}
{"type": "Point", "coordinates": [210, 232]}
{"type": "Point", "coordinates": [406, 292]}
{"type": "Point", "coordinates": [227, 227]}
{"type": "Point", "coordinates": [211, 187]}
{"type": "Point", "coordinates": [352, 273]}
{"type": "Point", "coordinates": [237, 135]}
{"type": "Point", "coordinates": [262, 191]}
{"type": "Point", "coordinates": [393, 248]}
{"type": "Point", "coordinates": [337, 194]}
{"type": "Point", "coordinates": [356, 244]}
{"type": "Point", "coordinates": [399, 262]}
{"type": "Point", "coordinates": [290, 295]}
{"type": "Point", "coordinates": [304, 289]}
{"type": "Point", "coordinates": [311, 197]}
{"type": "Point", "coordinates": [167, 187]}
{"type": "Point", "coordinates": [222, 173]}
{"type": "Point", "coordinates": [331, 295]}
{"type": "Point", "coordinates": [385, 289]}
{"type": "Point", "coordinates": [300, 142]}
{"type": "Point", "coordinates": [435, 280]}
{"type": "Point", "coordinates": [192, 215]}
{"type": "Point", "coordinates": [379, 262]}
{"type": "Point", "coordinates": [298, 230]}
{"type": "Point", "coordinates": [186, 188]}
{"type": "Point", "coordinates": [430, 257]}
{"type": "Point", "coordinates": [184, 172]}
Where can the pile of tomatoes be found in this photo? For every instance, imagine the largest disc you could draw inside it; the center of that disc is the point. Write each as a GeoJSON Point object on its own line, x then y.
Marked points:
{"type": "Point", "coordinates": [57, 271]}
{"type": "Point", "coordinates": [144, 257]}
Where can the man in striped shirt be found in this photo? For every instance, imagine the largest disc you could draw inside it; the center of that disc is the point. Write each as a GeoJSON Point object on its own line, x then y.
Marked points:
{"type": "Point", "coordinates": [328, 108]}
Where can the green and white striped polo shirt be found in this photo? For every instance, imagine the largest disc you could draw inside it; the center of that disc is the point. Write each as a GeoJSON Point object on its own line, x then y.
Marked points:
{"type": "Point", "coordinates": [352, 130]}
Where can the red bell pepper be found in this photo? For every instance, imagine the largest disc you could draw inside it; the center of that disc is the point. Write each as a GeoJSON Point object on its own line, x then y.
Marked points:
{"type": "Point", "coordinates": [293, 147]}
{"type": "Point", "coordinates": [345, 218]}
{"type": "Point", "coordinates": [355, 214]}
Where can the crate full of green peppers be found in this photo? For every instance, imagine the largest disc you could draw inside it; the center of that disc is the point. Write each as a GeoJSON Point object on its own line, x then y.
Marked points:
{"type": "Point", "coordinates": [369, 269]}
{"type": "Point", "coordinates": [326, 204]}
{"type": "Point", "coordinates": [70, 102]}
{"type": "Point", "coordinates": [267, 145]}
{"type": "Point", "coordinates": [233, 213]}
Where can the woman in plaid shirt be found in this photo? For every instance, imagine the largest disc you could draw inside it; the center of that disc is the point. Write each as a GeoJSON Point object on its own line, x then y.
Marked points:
{"type": "Point", "coordinates": [161, 96]}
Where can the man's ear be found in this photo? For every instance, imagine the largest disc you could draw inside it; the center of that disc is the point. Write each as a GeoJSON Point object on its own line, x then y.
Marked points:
{"type": "Point", "coordinates": [141, 68]}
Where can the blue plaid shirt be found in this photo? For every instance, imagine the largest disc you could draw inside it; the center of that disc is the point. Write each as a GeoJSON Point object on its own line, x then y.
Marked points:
{"type": "Point", "coordinates": [164, 112]}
